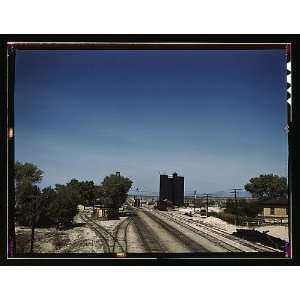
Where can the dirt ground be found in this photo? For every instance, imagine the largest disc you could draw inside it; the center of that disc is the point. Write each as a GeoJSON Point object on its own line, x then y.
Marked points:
{"type": "Point", "coordinates": [78, 239]}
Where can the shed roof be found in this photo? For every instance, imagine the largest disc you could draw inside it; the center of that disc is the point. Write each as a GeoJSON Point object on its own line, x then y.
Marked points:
{"type": "Point", "coordinates": [279, 202]}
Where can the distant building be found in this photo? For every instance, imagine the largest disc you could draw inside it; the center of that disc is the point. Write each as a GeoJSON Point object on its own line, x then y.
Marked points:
{"type": "Point", "coordinates": [274, 209]}
{"type": "Point", "coordinates": [172, 189]}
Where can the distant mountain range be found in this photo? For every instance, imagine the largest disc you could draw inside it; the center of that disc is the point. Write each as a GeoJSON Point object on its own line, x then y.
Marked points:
{"type": "Point", "coordinates": [215, 194]}
{"type": "Point", "coordinates": [228, 194]}
{"type": "Point", "coordinates": [225, 194]}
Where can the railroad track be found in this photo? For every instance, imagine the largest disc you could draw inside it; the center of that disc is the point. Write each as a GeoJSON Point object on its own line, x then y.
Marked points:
{"type": "Point", "coordinates": [120, 236]}
{"type": "Point", "coordinates": [147, 236]}
{"type": "Point", "coordinates": [220, 232]}
{"type": "Point", "coordinates": [115, 242]}
{"type": "Point", "coordinates": [179, 235]}
{"type": "Point", "coordinates": [258, 248]}
{"type": "Point", "coordinates": [101, 232]}
{"type": "Point", "coordinates": [218, 236]}
{"type": "Point", "coordinates": [226, 245]}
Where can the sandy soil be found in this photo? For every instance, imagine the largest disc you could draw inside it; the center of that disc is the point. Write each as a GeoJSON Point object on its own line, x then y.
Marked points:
{"type": "Point", "coordinates": [110, 225]}
{"type": "Point", "coordinates": [78, 239]}
{"type": "Point", "coordinates": [276, 230]}
{"type": "Point", "coordinates": [279, 231]}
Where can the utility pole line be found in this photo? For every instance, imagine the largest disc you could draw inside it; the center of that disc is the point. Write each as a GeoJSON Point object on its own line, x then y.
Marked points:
{"type": "Point", "coordinates": [136, 201]}
{"type": "Point", "coordinates": [234, 191]}
{"type": "Point", "coordinates": [195, 197]}
{"type": "Point", "coordinates": [207, 195]}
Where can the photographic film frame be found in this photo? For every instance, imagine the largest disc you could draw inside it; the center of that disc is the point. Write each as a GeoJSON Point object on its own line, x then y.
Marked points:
{"type": "Point", "coordinates": [11, 43]}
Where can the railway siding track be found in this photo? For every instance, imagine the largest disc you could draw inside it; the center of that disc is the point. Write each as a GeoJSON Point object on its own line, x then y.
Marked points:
{"type": "Point", "coordinates": [228, 236]}
{"type": "Point", "coordinates": [101, 232]}
{"type": "Point", "coordinates": [120, 236]}
{"type": "Point", "coordinates": [257, 247]}
{"type": "Point", "coordinates": [219, 236]}
{"type": "Point", "coordinates": [113, 242]}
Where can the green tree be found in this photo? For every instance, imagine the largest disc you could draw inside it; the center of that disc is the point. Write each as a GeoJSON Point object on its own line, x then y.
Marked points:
{"type": "Point", "coordinates": [30, 207]}
{"type": "Point", "coordinates": [86, 189]}
{"type": "Point", "coordinates": [115, 190]}
{"type": "Point", "coordinates": [27, 171]}
{"type": "Point", "coordinates": [26, 175]}
{"type": "Point", "coordinates": [267, 187]}
{"type": "Point", "coordinates": [64, 208]}
{"type": "Point", "coordinates": [243, 208]}
{"type": "Point", "coordinates": [88, 193]}
{"type": "Point", "coordinates": [99, 193]}
{"type": "Point", "coordinates": [47, 218]}
{"type": "Point", "coordinates": [76, 187]}
{"type": "Point", "coordinates": [29, 201]}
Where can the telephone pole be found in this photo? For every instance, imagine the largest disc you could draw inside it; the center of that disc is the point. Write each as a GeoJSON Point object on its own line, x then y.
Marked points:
{"type": "Point", "coordinates": [136, 201]}
{"type": "Point", "coordinates": [207, 195]}
{"type": "Point", "coordinates": [195, 198]}
{"type": "Point", "coordinates": [235, 191]}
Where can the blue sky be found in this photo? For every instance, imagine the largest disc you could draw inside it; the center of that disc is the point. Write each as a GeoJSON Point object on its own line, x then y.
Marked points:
{"type": "Point", "coordinates": [215, 117]}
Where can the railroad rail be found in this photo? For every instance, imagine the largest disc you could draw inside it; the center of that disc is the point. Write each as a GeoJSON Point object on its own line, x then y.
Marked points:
{"type": "Point", "coordinates": [101, 232]}
{"type": "Point", "coordinates": [147, 236]}
{"type": "Point", "coordinates": [120, 236]}
{"type": "Point", "coordinates": [179, 235]}
{"type": "Point", "coordinates": [218, 236]}
{"type": "Point", "coordinates": [115, 242]}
